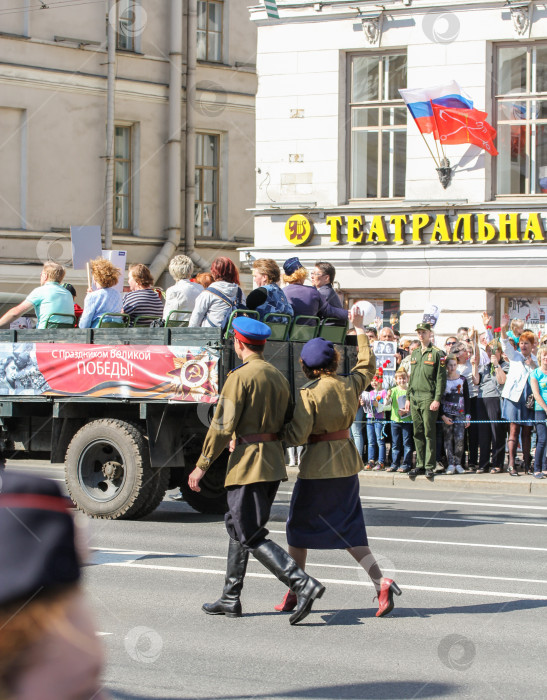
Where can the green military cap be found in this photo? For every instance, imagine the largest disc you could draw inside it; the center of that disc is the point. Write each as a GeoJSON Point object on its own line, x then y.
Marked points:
{"type": "Point", "coordinates": [423, 327]}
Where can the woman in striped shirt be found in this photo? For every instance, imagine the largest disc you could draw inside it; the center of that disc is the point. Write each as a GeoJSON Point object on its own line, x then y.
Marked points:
{"type": "Point", "coordinates": [142, 300]}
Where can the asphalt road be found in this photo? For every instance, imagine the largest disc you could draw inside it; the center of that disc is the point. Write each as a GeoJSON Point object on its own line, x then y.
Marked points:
{"type": "Point", "coordinates": [470, 623]}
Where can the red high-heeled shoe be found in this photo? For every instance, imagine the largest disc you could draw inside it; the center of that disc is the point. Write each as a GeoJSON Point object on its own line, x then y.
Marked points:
{"type": "Point", "coordinates": [385, 597]}
{"type": "Point", "coordinates": [288, 603]}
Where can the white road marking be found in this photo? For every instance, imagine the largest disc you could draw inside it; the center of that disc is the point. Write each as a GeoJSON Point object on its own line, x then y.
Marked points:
{"type": "Point", "coordinates": [217, 572]}
{"type": "Point", "coordinates": [453, 544]}
{"type": "Point", "coordinates": [437, 502]}
{"type": "Point", "coordinates": [317, 565]}
{"type": "Point", "coordinates": [470, 520]}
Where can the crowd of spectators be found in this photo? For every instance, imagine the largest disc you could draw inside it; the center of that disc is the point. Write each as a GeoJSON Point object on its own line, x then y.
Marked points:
{"type": "Point", "coordinates": [496, 389]}
{"type": "Point", "coordinates": [494, 400]}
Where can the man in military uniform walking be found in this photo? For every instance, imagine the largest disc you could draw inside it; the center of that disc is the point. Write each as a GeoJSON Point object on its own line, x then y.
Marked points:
{"type": "Point", "coordinates": [254, 404]}
{"type": "Point", "coordinates": [425, 389]}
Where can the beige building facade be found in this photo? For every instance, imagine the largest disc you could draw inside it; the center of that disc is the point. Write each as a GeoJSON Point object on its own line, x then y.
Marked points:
{"type": "Point", "coordinates": [183, 155]}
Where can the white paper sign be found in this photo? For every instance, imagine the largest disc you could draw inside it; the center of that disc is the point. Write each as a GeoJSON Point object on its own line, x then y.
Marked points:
{"type": "Point", "coordinates": [86, 245]}
{"type": "Point", "coordinates": [118, 258]}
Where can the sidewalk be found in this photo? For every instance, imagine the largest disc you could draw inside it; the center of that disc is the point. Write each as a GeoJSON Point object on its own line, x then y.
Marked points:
{"type": "Point", "coordinates": [523, 485]}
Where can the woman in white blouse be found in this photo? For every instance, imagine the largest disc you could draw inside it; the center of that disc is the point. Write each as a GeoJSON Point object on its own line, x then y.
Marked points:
{"type": "Point", "coordinates": [515, 392]}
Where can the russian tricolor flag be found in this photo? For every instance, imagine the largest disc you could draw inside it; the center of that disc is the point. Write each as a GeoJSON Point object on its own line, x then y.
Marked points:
{"type": "Point", "coordinates": [419, 102]}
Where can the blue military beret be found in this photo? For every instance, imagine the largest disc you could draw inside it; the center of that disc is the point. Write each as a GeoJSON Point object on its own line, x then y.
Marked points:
{"type": "Point", "coordinates": [251, 331]}
{"type": "Point", "coordinates": [292, 265]}
{"type": "Point", "coordinates": [317, 353]}
{"type": "Point", "coordinates": [38, 552]}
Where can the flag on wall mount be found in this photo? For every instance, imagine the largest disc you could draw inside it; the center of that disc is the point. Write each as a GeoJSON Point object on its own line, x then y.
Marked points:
{"type": "Point", "coordinates": [465, 126]}
{"type": "Point", "coordinates": [271, 9]}
{"type": "Point", "coordinates": [447, 112]}
{"type": "Point", "coordinates": [420, 103]}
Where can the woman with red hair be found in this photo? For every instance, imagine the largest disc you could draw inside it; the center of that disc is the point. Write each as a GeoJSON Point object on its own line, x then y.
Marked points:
{"type": "Point", "coordinates": [213, 303]}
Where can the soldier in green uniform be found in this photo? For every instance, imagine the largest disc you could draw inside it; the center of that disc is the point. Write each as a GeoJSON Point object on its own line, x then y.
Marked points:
{"type": "Point", "coordinates": [425, 388]}
{"type": "Point", "coordinates": [254, 405]}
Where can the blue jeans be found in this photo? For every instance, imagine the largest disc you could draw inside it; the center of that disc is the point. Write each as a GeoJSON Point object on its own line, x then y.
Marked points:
{"type": "Point", "coordinates": [402, 444]}
{"type": "Point", "coordinates": [357, 431]}
{"type": "Point", "coordinates": [376, 440]}
{"type": "Point", "coordinates": [541, 428]}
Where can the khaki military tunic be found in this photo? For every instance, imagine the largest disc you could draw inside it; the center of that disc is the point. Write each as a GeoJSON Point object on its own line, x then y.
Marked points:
{"type": "Point", "coordinates": [327, 405]}
{"type": "Point", "coordinates": [428, 373]}
{"type": "Point", "coordinates": [256, 398]}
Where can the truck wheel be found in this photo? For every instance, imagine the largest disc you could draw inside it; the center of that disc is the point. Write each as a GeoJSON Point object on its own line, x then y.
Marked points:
{"type": "Point", "coordinates": [160, 483]}
{"type": "Point", "coordinates": [212, 497]}
{"type": "Point", "coordinates": [107, 469]}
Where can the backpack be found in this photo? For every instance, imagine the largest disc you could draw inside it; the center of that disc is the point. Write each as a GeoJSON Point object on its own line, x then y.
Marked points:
{"type": "Point", "coordinates": [232, 306]}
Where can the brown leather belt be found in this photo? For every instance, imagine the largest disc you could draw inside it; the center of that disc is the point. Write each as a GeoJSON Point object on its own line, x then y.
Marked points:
{"type": "Point", "coordinates": [327, 437]}
{"type": "Point", "coordinates": [257, 437]}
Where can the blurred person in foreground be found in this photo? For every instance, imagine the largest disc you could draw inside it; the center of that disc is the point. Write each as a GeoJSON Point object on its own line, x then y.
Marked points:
{"type": "Point", "coordinates": [47, 299]}
{"type": "Point", "coordinates": [48, 645]}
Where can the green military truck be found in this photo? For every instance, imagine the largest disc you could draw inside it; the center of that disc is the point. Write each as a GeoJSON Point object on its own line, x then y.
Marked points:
{"type": "Point", "coordinates": [126, 409]}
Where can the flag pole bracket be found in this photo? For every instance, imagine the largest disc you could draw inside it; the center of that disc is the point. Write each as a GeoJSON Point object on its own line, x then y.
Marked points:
{"type": "Point", "coordinates": [445, 172]}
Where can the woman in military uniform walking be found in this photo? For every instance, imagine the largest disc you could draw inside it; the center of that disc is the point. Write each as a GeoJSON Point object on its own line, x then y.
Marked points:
{"type": "Point", "coordinates": [325, 510]}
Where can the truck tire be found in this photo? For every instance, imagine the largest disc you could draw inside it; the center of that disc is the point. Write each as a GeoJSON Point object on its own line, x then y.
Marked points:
{"type": "Point", "coordinates": [107, 469]}
{"type": "Point", "coordinates": [160, 483]}
{"type": "Point", "coordinates": [212, 497]}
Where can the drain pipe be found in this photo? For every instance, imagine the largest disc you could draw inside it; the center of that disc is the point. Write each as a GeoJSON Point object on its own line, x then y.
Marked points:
{"type": "Point", "coordinates": [174, 143]}
{"type": "Point", "coordinates": [112, 22]}
{"type": "Point", "coordinates": [190, 199]}
{"type": "Point", "coordinates": [174, 157]}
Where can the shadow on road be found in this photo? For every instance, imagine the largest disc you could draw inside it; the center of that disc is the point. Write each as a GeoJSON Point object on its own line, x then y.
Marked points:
{"type": "Point", "coordinates": [388, 690]}
{"type": "Point", "coordinates": [355, 616]}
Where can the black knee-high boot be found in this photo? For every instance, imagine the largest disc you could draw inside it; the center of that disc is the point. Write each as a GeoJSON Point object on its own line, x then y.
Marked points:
{"type": "Point", "coordinates": [307, 589]}
{"type": "Point", "coordinates": [236, 565]}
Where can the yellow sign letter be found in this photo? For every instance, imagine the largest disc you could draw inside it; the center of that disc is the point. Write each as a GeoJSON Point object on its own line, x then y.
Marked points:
{"type": "Point", "coordinates": [419, 222]}
{"type": "Point", "coordinates": [335, 223]}
{"type": "Point", "coordinates": [377, 231]}
{"type": "Point", "coordinates": [534, 226]}
{"type": "Point", "coordinates": [355, 229]}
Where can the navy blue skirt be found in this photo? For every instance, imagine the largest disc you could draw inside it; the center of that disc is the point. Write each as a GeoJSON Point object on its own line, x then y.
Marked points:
{"type": "Point", "coordinates": [326, 514]}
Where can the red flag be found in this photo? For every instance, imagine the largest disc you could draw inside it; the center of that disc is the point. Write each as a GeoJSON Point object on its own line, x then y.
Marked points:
{"type": "Point", "coordinates": [464, 126]}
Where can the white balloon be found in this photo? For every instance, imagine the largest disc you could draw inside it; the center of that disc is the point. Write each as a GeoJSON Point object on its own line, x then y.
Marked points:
{"type": "Point", "coordinates": [367, 309]}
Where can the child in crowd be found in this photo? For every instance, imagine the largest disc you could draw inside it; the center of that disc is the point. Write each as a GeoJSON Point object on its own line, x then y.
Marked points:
{"type": "Point", "coordinates": [374, 404]}
{"type": "Point", "coordinates": [516, 330]}
{"type": "Point", "coordinates": [401, 427]}
{"type": "Point", "coordinates": [455, 415]}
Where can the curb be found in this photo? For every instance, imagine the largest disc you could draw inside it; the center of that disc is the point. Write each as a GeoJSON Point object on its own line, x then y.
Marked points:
{"type": "Point", "coordinates": [523, 485]}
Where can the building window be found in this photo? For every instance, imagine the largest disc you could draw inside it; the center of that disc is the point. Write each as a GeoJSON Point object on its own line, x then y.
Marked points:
{"type": "Point", "coordinates": [378, 125]}
{"type": "Point", "coordinates": [210, 30]}
{"type": "Point", "coordinates": [207, 186]}
{"type": "Point", "coordinates": [521, 107]}
{"type": "Point", "coordinates": [122, 179]}
{"type": "Point", "coordinates": [129, 24]}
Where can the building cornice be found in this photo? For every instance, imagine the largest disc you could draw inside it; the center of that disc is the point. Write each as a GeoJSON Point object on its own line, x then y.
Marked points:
{"type": "Point", "coordinates": [325, 10]}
